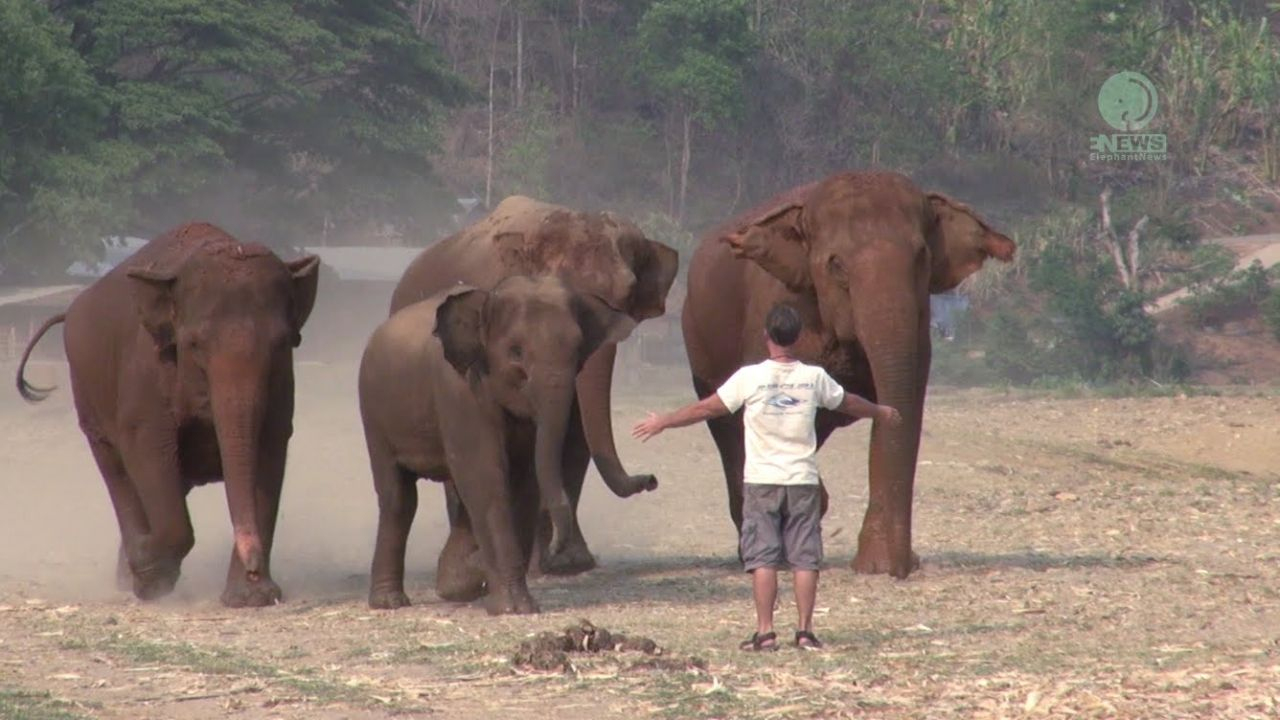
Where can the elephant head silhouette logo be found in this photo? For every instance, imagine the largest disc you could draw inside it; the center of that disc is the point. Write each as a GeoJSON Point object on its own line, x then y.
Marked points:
{"type": "Point", "coordinates": [1128, 101]}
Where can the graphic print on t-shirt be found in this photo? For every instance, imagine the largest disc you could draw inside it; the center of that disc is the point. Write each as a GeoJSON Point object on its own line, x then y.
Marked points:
{"type": "Point", "coordinates": [781, 402]}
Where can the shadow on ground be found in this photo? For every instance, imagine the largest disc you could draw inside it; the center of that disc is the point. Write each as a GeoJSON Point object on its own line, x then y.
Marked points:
{"type": "Point", "coordinates": [960, 560]}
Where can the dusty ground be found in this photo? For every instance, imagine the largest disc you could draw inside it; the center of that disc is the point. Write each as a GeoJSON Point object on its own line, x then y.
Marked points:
{"type": "Point", "coordinates": [1082, 557]}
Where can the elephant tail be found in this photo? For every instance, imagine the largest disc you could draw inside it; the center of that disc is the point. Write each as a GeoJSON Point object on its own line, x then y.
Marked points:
{"type": "Point", "coordinates": [29, 392]}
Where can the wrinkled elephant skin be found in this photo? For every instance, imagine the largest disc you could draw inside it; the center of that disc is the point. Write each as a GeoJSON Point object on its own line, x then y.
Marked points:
{"type": "Point", "coordinates": [858, 254]}
{"type": "Point", "coordinates": [181, 364]}
{"type": "Point", "coordinates": [475, 388]}
{"type": "Point", "coordinates": [600, 254]}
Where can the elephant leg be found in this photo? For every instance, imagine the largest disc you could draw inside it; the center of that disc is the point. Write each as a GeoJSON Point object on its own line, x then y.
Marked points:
{"type": "Point", "coordinates": [576, 557]}
{"type": "Point", "coordinates": [239, 590]}
{"type": "Point", "coordinates": [728, 433]}
{"type": "Point", "coordinates": [130, 515]}
{"type": "Point", "coordinates": [460, 573]}
{"type": "Point", "coordinates": [485, 491]}
{"type": "Point", "coordinates": [151, 461]}
{"type": "Point", "coordinates": [526, 509]}
{"type": "Point", "coordinates": [397, 491]}
{"type": "Point", "coordinates": [124, 574]}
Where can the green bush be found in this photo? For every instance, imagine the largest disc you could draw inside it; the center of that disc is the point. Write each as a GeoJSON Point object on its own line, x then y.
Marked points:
{"type": "Point", "coordinates": [1212, 303]}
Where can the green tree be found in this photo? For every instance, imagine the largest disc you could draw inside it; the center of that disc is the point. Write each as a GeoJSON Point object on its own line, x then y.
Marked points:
{"type": "Point", "coordinates": [58, 179]}
{"type": "Point", "coordinates": [277, 118]}
{"type": "Point", "coordinates": [695, 55]}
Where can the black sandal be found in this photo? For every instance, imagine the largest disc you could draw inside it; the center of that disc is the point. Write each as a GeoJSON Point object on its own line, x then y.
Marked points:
{"type": "Point", "coordinates": [757, 642]}
{"type": "Point", "coordinates": [813, 643]}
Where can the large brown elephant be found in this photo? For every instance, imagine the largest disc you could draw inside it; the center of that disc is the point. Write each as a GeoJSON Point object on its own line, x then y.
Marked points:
{"type": "Point", "coordinates": [475, 388]}
{"type": "Point", "coordinates": [597, 253]}
{"type": "Point", "coordinates": [858, 254]}
{"type": "Point", "coordinates": [181, 363]}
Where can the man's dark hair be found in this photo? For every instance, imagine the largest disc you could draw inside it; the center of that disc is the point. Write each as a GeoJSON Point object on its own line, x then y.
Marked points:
{"type": "Point", "coordinates": [783, 325]}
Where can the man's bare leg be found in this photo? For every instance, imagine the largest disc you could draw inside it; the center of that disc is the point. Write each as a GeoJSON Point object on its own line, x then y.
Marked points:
{"type": "Point", "coordinates": [806, 582]}
{"type": "Point", "coordinates": [764, 588]}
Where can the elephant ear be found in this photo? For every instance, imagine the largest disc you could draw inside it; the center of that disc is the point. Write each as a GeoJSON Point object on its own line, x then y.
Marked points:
{"type": "Point", "coordinates": [601, 323]}
{"type": "Point", "coordinates": [960, 242]}
{"type": "Point", "coordinates": [514, 253]}
{"type": "Point", "coordinates": [460, 327]}
{"type": "Point", "coordinates": [654, 265]}
{"type": "Point", "coordinates": [153, 300]}
{"type": "Point", "coordinates": [306, 278]}
{"type": "Point", "coordinates": [776, 244]}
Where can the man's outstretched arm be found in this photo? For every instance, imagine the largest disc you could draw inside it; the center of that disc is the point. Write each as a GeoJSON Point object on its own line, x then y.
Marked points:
{"type": "Point", "coordinates": [860, 407]}
{"type": "Point", "coordinates": [709, 407]}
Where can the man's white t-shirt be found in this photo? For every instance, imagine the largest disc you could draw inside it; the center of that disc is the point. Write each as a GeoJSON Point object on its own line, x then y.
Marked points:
{"type": "Point", "coordinates": [781, 400]}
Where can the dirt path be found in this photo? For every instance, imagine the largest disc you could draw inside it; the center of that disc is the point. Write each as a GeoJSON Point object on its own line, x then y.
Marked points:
{"type": "Point", "coordinates": [1082, 558]}
{"type": "Point", "coordinates": [1262, 248]}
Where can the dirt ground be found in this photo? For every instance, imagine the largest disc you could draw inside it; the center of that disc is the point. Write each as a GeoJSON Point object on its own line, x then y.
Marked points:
{"type": "Point", "coordinates": [1082, 557]}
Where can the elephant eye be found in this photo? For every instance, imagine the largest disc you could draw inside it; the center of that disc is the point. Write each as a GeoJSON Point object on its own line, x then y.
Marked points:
{"type": "Point", "coordinates": [835, 266]}
{"type": "Point", "coordinates": [516, 351]}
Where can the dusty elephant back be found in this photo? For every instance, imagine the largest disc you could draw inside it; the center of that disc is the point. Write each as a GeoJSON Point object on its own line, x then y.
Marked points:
{"type": "Point", "coordinates": [391, 375]}
{"type": "Point", "coordinates": [166, 251]}
{"type": "Point", "coordinates": [524, 236]}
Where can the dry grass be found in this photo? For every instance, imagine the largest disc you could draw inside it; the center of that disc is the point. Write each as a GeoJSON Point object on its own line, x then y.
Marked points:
{"type": "Point", "coordinates": [1084, 557]}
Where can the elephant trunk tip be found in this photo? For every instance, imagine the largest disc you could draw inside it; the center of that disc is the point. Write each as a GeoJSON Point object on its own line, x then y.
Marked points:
{"type": "Point", "coordinates": [643, 483]}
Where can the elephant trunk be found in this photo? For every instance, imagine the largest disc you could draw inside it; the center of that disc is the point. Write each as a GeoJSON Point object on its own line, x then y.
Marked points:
{"type": "Point", "coordinates": [238, 388]}
{"type": "Point", "coordinates": [898, 353]}
{"type": "Point", "coordinates": [595, 387]}
{"type": "Point", "coordinates": [551, 422]}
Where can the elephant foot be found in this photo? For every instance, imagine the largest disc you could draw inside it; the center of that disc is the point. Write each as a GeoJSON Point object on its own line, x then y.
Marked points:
{"type": "Point", "coordinates": [388, 599]}
{"type": "Point", "coordinates": [460, 580]}
{"type": "Point", "coordinates": [879, 560]}
{"type": "Point", "coordinates": [573, 560]}
{"type": "Point", "coordinates": [154, 585]}
{"type": "Point", "coordinates": [259, 593]}
{"type": "Point", "coordinates": [124, 574]}
{"type": "Point", "coordinates": [516, 602]}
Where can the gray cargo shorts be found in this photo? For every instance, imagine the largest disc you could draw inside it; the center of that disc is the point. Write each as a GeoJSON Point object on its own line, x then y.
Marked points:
{"type": "Point", "coordinates": [781, 526]}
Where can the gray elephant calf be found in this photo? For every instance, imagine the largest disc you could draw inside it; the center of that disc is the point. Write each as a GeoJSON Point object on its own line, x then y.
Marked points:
{"type": "Point", "coordinates": [476, 388]}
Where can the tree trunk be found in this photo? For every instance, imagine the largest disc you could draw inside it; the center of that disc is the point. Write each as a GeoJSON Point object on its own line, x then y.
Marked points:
{"type": "Point", "coordinates": [577, 76]}
{"type": "Point", "coordinates": [519, 59]}
{"type": "Point", "coordinates": [493, 61]}
{"type": "Point", "coordinates": [488, 165]}
{"type": "Point", "coordinates": [1125, 257]}
{"type": "Point", "coordinates": [684, 168]}
{"type": "Point", "coordinates": [671, 172]}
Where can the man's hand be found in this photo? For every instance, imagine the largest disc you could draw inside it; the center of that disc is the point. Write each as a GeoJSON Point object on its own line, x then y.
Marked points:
{"type": "Point", "coordinates": [648, 427]}
{"type": "Point", "coordinates": [888, 415]}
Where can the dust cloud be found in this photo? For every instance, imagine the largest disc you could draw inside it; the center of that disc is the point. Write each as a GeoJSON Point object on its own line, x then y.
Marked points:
{"type": "Point", "coordinates": [58, 533]}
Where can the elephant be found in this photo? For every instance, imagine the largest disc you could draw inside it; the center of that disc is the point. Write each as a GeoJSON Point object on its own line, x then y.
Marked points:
{"type": "Point", "coordinates": [475, 388]}
{"type": "Point", "coordinates": [858, 254]}
{"type": "Point", "coordinates": [181, 366]}
{"type": "Point", "coordinates": [597, 253]}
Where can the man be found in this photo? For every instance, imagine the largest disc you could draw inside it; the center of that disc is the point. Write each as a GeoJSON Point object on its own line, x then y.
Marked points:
{"type": "Point", "coordinates": [781, 506]}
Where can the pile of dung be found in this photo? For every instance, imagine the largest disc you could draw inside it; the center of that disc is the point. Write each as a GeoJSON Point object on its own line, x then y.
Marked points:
{"type": "Point", "coordinates": [550, 651]}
